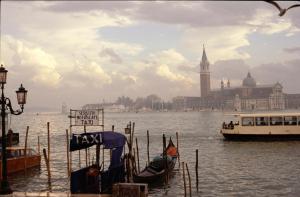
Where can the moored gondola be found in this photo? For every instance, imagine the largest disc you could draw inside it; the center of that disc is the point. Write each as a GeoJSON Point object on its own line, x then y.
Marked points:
{"type": "Point", "coordinates": [158, 167]}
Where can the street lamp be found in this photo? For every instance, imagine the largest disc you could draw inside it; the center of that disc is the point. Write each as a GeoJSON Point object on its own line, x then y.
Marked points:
{"type": "Point", "coordinates": [6, 105]}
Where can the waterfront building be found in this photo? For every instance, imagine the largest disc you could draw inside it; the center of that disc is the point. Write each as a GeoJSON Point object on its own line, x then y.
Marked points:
{"type": "Point", "coordinates": [248, 96]}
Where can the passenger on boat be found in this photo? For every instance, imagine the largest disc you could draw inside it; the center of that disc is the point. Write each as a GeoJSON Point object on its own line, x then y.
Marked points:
{"type": "Point", "coordinates": [224, 125]}
{"type": "Point", "coordinates": [230, 125]}
{"type": "Point", "coordinates": [9, 137]}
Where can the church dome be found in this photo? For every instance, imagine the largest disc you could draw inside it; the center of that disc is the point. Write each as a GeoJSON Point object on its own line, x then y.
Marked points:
{"type": "Point", "coordinates": [249, 81]}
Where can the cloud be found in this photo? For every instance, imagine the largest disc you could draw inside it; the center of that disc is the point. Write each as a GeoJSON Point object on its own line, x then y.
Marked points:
{"type": "Point", "coordinates": [292, 49]}
{"type": "Point", "coordinates": [165, 64]}
{"type": "Point", "coordinates": [196, 14]}
{"type": "Point", "coordinates": [287, 73]}
{"type": "Point", "coordinates": [236, 70]}
{"type": "Point", "coordinates": [170, 56]}
{"type": "Point", "coordinates": [222, 42]}
{"type": "Point", "coordinates": [87, 74]}
{"type": "Point", "coordinates": [31, 60]}
{"type": "Point", "coordinates": [60, 44]}
{"type": "Point", "coordinates": [112, 55]}
{"type": "Point", "coordinates": [266, 22]}
{"type": "Point", "coordinates": [193, 14]}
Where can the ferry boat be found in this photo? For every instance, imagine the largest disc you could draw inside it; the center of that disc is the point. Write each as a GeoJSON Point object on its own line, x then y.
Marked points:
{"type": "Point", "coordinates": [265, 126]}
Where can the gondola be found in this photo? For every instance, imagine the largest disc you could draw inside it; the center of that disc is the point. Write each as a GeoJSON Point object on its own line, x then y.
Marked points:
{"type": "Point", "coordinates": [157, 169]}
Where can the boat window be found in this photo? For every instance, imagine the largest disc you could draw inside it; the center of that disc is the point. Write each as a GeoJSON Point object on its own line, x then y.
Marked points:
{"type": "Point", "coordinates": [247, 121]}
{"type": "Point", "coordinates": [299, 120]}
{"type": "Point", "coordinates": [261, 121]}
{"type": "Point", "coordinates": [276, 120]}
{"type": "Point", "coordinates": [290, 120]}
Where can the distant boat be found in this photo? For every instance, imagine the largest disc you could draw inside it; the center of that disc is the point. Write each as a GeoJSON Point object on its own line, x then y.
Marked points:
{"type": "Point", "coordinates": [16, 159]}
{"type": "Point", "coordinates": [269, 126]}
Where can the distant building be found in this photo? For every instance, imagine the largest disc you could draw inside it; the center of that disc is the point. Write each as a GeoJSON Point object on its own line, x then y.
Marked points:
{"type": "Point", "coordinates": [64, 109]}
{"type": "Point", "coordinates": [108, 107]}
{"type": "Point", "coordinates": [293, 101]}
{"type": "Point", "coordinates": [248, 96]}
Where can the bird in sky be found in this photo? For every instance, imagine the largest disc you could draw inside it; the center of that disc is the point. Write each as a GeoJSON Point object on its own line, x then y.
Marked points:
{"type": "Point", "coordinates": [282, 11]}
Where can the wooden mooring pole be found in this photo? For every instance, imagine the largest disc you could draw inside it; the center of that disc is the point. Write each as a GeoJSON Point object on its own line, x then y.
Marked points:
{"type": "Point", "coordinates": [189, 177]}
{"type": "Point", "coordinates": [165, 160]}
{"type": "Point", "coordinates": [196, 169]}
{"type": "Point", "coordinates": [39, 149]}
{"type": "Point", "coordinates": [134, 169]}
{"type": "Point", "coordinates": [177, 145]}
{"type": "Point", "coordinates": [47, 165]}
{"type": "Point", "coordinates": [137, 154]}
{"type": "Point", "coordinates": [184, 183]}
{"type": "Point", "coordinates": [48, 139]}
{"type": "Point", "coordinates": [148, 157]}
{"type": "Point", "coordinates": [86, 149]}
{"type": "Point", "coordinates": [68, 158]}
{"type": "Point", "coordinates": [25, 153]}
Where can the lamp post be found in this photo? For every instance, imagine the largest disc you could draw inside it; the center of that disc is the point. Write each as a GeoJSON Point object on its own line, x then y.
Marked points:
{"type": "Point", "coordinates": [6, 105]}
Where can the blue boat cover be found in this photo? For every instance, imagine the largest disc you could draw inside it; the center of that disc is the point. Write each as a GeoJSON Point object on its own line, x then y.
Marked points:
{"type": "Point", "coordinates": [108, 139]}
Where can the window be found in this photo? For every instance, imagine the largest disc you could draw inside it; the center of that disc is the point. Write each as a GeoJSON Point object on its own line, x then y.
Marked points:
{"type": "Point", "coordinates": [261, 121]}
{"type": "Point", "coordinates": [299, 120]}
{"type": "Point", "coordinates": [248, 121]}
{"type": "Point", "coordinates": [276, 120]}
{"type": "Point", "coordinates": [290, 120]}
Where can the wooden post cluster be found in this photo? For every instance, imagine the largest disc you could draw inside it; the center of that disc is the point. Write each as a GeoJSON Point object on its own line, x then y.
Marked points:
{"type": "Point", "coordinates": [189, 177]}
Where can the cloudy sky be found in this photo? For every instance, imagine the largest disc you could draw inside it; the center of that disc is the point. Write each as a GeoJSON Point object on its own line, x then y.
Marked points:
{"type": "Point", "coordinates": [83, 52]}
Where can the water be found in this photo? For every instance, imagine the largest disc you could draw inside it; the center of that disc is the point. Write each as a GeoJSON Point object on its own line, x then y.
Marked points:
{"type": "Point", "coordinates": [225, 168]}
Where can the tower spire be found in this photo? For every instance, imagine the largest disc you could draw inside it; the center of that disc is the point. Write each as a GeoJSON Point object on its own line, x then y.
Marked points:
{"type": "Point", "coordinates": [204, 57]}
{"type": "Point", "coordinates": [204, 75]}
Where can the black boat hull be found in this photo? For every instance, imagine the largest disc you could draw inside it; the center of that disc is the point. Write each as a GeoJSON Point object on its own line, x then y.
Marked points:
{"type": "Point", "coordinates": [156, 176]}
{"type": "Point", "coordinates": [267, 137]}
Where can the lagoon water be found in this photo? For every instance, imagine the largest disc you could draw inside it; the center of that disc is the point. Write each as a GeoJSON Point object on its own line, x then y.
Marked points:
{"type": "Point", "coordinates": [225, 168]}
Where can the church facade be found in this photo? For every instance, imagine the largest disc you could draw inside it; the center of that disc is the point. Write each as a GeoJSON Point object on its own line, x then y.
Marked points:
{"type": "Point", "coordinates": [248, 96]}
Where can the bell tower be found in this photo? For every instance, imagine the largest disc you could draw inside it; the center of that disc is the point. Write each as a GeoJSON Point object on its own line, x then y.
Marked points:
{"type": "Point", "coordinates": [204, 75]}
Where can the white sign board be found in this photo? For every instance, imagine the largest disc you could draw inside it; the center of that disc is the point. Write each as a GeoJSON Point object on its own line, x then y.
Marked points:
{"type": "Point", "coordinates": [87, 117]}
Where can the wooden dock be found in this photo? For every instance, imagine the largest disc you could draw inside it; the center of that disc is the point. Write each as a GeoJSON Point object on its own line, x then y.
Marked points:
{"type": "Point", "coordinates": [56, 194]}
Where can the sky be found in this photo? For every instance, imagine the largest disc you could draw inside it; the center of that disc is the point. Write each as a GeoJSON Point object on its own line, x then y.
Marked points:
{"type": "Point", "coordinates": [81, 52]}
